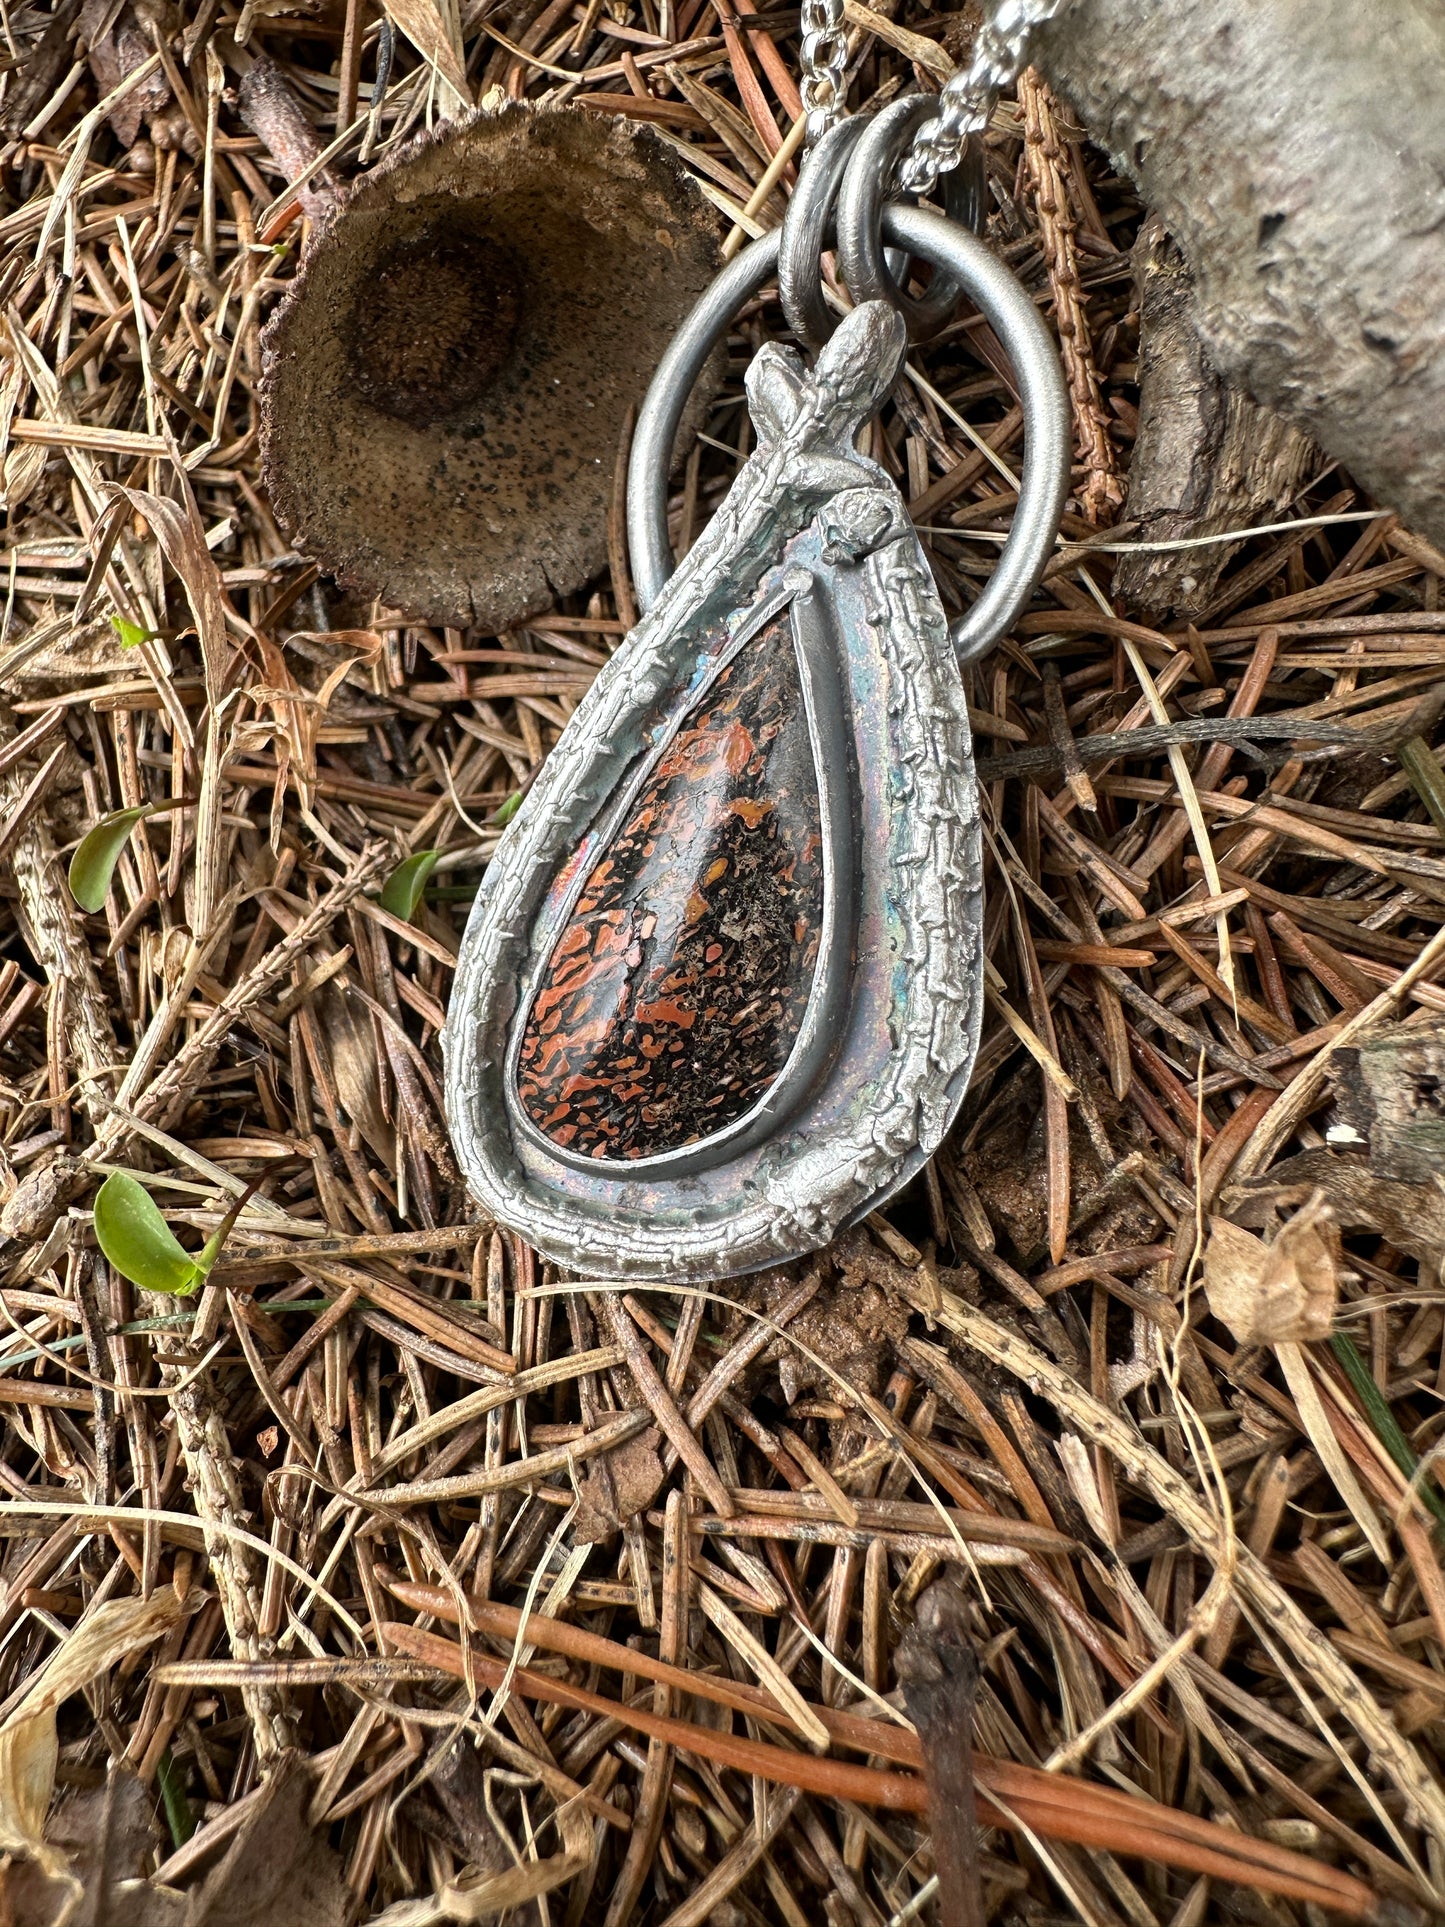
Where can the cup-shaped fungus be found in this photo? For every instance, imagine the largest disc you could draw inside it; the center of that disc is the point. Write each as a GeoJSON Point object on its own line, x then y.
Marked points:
{"type": "Point", "coordinates": [446, 384]}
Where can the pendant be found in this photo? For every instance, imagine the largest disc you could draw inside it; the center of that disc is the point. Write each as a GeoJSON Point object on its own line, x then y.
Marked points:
{"type": "Point", "coordinates": [720, 994]}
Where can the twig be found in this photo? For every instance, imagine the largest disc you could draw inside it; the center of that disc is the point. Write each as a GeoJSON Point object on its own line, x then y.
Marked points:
{"type": "Point", "coordinates": [938, 1672]}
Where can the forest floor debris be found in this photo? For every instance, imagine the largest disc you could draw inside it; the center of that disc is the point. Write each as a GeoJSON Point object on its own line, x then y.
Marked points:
{"type": "Point", "coordinates": [462, 1590]}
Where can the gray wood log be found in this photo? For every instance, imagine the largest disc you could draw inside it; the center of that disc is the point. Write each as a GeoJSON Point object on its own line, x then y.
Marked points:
{"type": "Point", "coordinates": [1296, 151]}
{"type": "Point", "coordinates": [1207, 458]}
{"type": "Point", "coordinates": [1390, 1095]}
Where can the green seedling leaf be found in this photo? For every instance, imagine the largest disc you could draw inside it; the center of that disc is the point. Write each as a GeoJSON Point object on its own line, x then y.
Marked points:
{"type": "Point", "coordinates": [131, 634]}
{"type": "Point", "coordinates": [179, 1817]}
{"type": "Point", "coordinates": [508, 810]}
{"type": "Point", "coordinates": [401, 893]}
{"type": "Point", "coordinates": [93, 865]}
{"type": "Point", "coordinates": [137, 1240]}
{"type": "Point", "coordinates": [141, 1245]}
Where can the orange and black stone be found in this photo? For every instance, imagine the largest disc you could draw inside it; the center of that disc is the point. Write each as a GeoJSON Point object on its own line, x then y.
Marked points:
{"type": "Point", "coordinates": [674, 992]}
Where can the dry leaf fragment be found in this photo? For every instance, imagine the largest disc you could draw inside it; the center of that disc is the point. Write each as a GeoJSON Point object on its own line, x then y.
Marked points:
{"type": "Point", "coordinates": [615, 1486]}
{"type": "Point", "coordinates": [449, 1802]}
{"type": "Point", "coordinates": [436, 35]}
{"type": "Point", "coordinates": [109, 1835]}
{"type": "Point", "coordinates": [29, 1748]}
{"type": "Point", "coordinates": [278, 1872]}
{"type": "Point", "coordinates": [179, 531]}
{"type": "Point", "coordinates": [487, 1896]}
{"type": "Point", "coordinates": [1283, 1292]}
{"type": "Point", "coordinates": [1409, 1216]}
{"type": "Point", "coordinates": [351, 1040]}
{"type": "Point", "coordinates": [118, 41]}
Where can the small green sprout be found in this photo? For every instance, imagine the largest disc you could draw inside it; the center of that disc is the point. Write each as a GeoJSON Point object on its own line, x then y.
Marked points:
{"type": "Point", "coordinates": [402, 892]}
{"type": "Point", "coordinates": [140, 1244]}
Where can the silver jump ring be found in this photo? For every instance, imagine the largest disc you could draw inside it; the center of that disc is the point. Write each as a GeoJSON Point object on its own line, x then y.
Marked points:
{"type": "Point", "coordinates": [861, 199]}
{"type": "Point", "coordinates": [805, 230]}
{"type": "Point", "coordinates": [1042, 396]}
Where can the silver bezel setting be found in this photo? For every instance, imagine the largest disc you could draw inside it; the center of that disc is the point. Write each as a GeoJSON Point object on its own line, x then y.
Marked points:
{"type": "Point", "coordinates": [817, 650]}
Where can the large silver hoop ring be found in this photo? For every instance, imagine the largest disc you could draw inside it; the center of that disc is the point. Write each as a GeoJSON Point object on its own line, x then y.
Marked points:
{"type": "Point", "coordinates": [1032, 355]}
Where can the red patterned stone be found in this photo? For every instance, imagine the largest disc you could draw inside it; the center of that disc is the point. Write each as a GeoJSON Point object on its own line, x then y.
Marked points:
{"type": "Point", "coordinates": [674, 993]}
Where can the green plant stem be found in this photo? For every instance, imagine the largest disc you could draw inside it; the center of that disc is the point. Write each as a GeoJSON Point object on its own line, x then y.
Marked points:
{"type": "Point", "coordinates": [179, 1817]}
{"type": "Point", "coordinates": [1383, 1420]}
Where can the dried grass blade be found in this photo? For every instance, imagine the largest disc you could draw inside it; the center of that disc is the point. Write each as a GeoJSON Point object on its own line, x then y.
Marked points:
{"type": "Point", "coordinates": [1395, 1754]}
{"type": "Point", "coordinates": [756, 1655]}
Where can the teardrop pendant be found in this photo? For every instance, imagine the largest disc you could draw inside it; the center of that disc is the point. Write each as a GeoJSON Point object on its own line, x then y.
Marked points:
{"type": "Point", "coordinates": [720, 992]}
{"type": "Point", "coordinates": [677, 995]}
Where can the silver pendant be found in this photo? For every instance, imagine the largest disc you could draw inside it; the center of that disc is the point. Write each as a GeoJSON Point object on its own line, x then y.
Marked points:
{"type": "Point", "coordinates": [719, 996]}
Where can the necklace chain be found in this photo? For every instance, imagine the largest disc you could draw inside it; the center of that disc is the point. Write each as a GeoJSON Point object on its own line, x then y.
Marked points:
{"type": "Point", "coordinates": [824, 54]}
{"type": "Point", "coordinates": [1000, 51]}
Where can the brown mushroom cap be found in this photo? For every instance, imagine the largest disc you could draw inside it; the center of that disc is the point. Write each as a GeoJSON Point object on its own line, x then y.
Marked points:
{"type": "Point", "coordinates": [446, 383]}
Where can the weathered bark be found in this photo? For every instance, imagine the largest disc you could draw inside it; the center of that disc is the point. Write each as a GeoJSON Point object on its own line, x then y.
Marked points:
{"type": "Point", "coordinates": [1296, 151]}
{"type": "Point", "coordinates": [43, 66]}
{"type": "Point", "coordinates": [1206, 459]}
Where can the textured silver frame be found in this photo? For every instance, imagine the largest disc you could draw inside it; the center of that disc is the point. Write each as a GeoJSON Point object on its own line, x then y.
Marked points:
{"type": "Point", "coordinates": [811, 521]}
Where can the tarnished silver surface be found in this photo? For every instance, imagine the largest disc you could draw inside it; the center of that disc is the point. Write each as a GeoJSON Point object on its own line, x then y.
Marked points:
{"type": "Point", "coordinates": [861, 196]}
{"type": "Point", "coordinates": [804, 234]}
{"type": "Point", "coordinates": [812, 522]}
{"type": "Point", "coordinates": [809, 221]}
{"type": "Point", "coordinates": [1039, 379]}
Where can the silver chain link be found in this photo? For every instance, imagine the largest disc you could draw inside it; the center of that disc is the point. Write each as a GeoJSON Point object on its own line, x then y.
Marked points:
{"type": "Point", "coordinates": [1000, 52]}
{"type": "Point", "coordinates": [825, 52]}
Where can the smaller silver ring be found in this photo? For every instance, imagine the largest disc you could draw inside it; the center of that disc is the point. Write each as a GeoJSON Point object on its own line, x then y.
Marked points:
{"type": "Point", "coordinates": [805, 233]}
{"type": "Point", "coordinates": [861, 199]}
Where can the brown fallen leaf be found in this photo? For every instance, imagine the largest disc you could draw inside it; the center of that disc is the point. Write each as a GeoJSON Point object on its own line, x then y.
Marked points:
{"type": "Point", "coordinates": [1410, 1216]}
{"type": "Point", "coordinates": [488, 1892]}
{"type": "Point", "coordinates": [436, 35]}
{"type": "Point", "coordinates": [278, 1872]}
{"type": "Point", "coordinates": [1283, 1294]}
{"type": "Point", "coordinates": [351, 1039]}
{"type": "Point", "coordinates": [1280, 1293]}
{"type": "Point", "coordinates": [108, 1834]}
{"type": "Point", "coordinates": [449, 1802]}
{"type": "Point", "coordinates": [613, 1487]}
{"type": "Point", "coordinates": [118, 39]}
{"type": "Point", "coordinates": [29, 1746]}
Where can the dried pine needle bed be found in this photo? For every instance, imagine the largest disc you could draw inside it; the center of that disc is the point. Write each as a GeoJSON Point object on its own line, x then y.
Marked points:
{"type": "Point", "coordinates": [395, 1576]}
